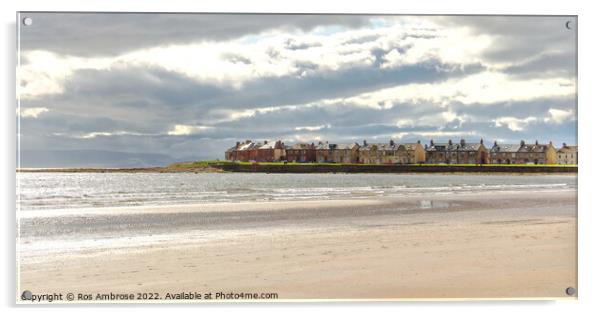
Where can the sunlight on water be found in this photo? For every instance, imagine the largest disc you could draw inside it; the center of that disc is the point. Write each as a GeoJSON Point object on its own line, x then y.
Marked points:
{"type": "Point", "coordinates": [69, 190]}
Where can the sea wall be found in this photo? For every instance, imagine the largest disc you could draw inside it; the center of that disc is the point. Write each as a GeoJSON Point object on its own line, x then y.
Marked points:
{"type": "Point", "coordinates": [358, 168]}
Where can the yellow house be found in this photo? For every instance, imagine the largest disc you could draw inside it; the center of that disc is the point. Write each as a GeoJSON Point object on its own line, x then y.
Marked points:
{"type": "Point", "coordinates": [367, 153]}
{"type": "Point", "coordinates": [391, 153]}
{"type": "Point", "coordinates": [415, 153]}
{"type": "Point", "coordinates": [567, 155]}
{"type": "Point", "coordinates": [345, 153]}
{"type": "Point", "coordinates": [536, 154]}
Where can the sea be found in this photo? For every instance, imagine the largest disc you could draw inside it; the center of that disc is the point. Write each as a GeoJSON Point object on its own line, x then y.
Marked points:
{"type": "Point", "coordinates": [51, 191]}
{"type": "Point", "coordinates": [65, 213]}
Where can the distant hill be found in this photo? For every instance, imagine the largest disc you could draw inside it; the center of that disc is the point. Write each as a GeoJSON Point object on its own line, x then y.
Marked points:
{"type": "Point", "coordinates": [91, 159]}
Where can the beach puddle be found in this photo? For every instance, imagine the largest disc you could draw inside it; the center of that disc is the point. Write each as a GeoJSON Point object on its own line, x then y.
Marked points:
{"type": "Point", "coordinates": [430, 204]}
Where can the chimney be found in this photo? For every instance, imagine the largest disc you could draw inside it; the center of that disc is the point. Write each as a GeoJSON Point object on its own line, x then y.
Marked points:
{"type": "Point", "coordinates": [522, 143]}
{"type": "Point", "coordinates": [563, 144]}
{"type": "Point", "coordinates": [495, 143]}
{"type": "Point", "coordinates": [462, 142]}
{"type": "Point", "coordinates": [536, 142]}
{"type": "Point", "coordinates": [265, 142]}
{"type": "Point", "coordinates": [319, 142]}
{"type": "Point", "coordinates": [481, 141]}
{"type": "Point", "coordinates": [237, 144]}
{"type": "Point", "coordinates": [449, 142]}
{"type": "Point", "coordinates": [391, 143]}
{"type": "Point", "coordinates": [365, 143]}
{"type": "Point", "coordinates": [418, 142]}
{"type": "Point", "coordinates": [432, 143]}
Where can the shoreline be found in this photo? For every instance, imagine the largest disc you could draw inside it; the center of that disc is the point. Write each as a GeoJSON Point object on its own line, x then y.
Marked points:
{"type": "Point", "coordinates": [233, 167]}
{"type": "Point", "coordinates": [160, 170]}
{"type": "Point", "coordinates": [250, 206]}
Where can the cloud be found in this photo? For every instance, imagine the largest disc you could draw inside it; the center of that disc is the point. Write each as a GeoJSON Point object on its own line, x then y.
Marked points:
{"type": "Point", "coordinates": [102, 134]}
{"type": "Point", "coordinates": [480, 88]}
{"type": "Point", "coordinates": [554, 116]}
{"type": "Point", "coordinates": [239, 62]}
{"type": "Point", "coordinates": [104, 34]}
{"type": "Point", "coordinates": [179, 130]}
{"type": "Point", "coordinates": [303, 138]}
{"type": "Point", "coordinates": [521, 45]}
{"type": "Point", "coordinates": [307, 79]}
{"type": "Point", "coordinates": [312, 128]}
{"type": "Point", "coordinates": [513, 123]}
{"type": "Point", "coordinates": [31, 112]}
{"type": "Point", "coordinates": [433, 133]}
{"type": "Point", "coordinates": [549, 64]}
{"type": "Point", "coordinates": [404, 123]}
{"type": "Point", "coordinates": [558, 116]}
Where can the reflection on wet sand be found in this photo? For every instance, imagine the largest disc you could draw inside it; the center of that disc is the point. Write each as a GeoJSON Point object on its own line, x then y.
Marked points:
{"type": "Point", "coordinates": [479, 245]}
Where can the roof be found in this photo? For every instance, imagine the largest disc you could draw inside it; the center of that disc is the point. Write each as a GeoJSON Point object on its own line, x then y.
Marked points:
{"type": "Point", "coordinates": [271, 145]}
{"type": "Point", "coordinates": [434, 146]}
{"type": "Point", "coordinates": [532, 148]}
{"type": "Point", "coordinates": [454, 147]}
{"type": "Point", "coordinates": [346, 146]}
{"type": "Point", "coordinates": [412, 146]}
{"type": "Point", "coordinates": [465, 147]}
{"type": "Point", "coordinates": [567, 149]}
{"type": "Point", "coordinates": [381, 146]}
{"type": "Point", "coordinates": [505, 148]}
{"type": "Point", "coordinates": [301, 146]}
{"type": "Point", "coordinates": [249, 146]}
{"type": "Point", "coordinates": [231, 149]}
{"type": "Point", "coordinates": [268, 145]}
{"type": "Point", "coordinates": [323, 146]}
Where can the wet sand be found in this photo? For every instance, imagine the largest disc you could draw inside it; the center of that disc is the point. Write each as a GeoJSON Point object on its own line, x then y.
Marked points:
{"type": "Point", "coordinates": [486, 245]}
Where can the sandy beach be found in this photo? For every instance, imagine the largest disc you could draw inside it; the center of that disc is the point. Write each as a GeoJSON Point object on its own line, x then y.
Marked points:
{"type": "Point", "coordinates": [477, 245]}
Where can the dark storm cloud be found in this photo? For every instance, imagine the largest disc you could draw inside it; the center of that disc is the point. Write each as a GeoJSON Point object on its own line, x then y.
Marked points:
{"type": "Point", "coordinates": [68, 124]}
{"type": "Point", "coordinates": [546, 65]}
{"type": "Point", "coordinates": [159, 112]}
{"type": "Point", "coordinates": [341, 118]}
{"type": "Point", "coordinates": [147, 93]}
{"type": "Point", "coordinates": [98, 106]}
{"type": "Point", "coordinates": [101, 34]}
{"type": "Point", "coordinates": [538, 107]}
{"type": "Point", "coordinates": [339, 122]}
{"type": "Point", "coordinates": [475, 122]}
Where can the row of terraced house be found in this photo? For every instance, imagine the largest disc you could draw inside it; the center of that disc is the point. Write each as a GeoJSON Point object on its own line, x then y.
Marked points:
{"type": "Point", "coordinates": [403, 153]}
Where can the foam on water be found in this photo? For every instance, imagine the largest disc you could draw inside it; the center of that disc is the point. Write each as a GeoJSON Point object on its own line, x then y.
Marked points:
{"type": "Point", "coordinates": [48, 197]}
{"type": "Point", "coordinates": [63, 190]}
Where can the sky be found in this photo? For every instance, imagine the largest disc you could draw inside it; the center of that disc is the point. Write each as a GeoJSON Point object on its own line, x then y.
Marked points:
{"type": "Point", "coordinates": [191, 85]}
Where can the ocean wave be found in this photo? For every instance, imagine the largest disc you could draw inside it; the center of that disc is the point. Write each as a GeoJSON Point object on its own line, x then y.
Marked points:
{"type": "Point", "coordinates": [40, 192]}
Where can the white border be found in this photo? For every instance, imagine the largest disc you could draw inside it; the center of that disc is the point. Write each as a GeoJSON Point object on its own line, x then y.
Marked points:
{"type": "Point", "coordinates": [590, 144]}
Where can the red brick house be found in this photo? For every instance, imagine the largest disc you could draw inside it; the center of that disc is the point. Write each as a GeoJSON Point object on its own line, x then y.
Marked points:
{"type": "Point", "coordinates": [247, 151]}
{"type": "Point", "coordinates": [271, 151]}
{"type": "Point", "coordinates": [301, 153]}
